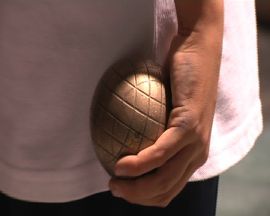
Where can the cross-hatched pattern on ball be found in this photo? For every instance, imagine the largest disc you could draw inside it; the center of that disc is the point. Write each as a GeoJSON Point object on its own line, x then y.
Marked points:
{"type": "Point", "coordinates": [128, 111]}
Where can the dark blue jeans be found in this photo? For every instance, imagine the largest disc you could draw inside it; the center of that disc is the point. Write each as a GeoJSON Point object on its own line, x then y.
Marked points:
{"type": "Point", "coordinates": [197, 199]}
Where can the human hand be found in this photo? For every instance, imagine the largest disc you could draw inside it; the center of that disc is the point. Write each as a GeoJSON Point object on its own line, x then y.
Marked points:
{"type": "Point", "coordinates": [161, 171]}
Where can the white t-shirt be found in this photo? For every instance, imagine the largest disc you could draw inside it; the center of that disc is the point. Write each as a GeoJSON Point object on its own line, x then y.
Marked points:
{"type": "Point", "coordinates": [52, 56]}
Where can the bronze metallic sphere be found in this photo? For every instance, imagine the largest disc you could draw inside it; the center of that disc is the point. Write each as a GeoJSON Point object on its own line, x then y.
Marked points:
{"type": "Point", "coordinates": [129, 110]}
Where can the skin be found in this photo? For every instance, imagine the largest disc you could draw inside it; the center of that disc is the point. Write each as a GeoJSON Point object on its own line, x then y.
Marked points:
{"type": "Point", "coordinates": [161, 171]}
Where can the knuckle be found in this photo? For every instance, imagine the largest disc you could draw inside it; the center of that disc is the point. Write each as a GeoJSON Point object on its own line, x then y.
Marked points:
{"type": "Point", "coordinates": [181, 117]}
{"type": "Point", "coordinates": [205, 154]}
{"type": "Point", "coordinates": [157, 159]}
{"type": "Point", "coordinates": [185, 123]}
{"type": "Point", "coordinates": [203, 158]}
{"type": "Point", "coordinates": [159, 155]}
{"type": "Point", "coordinates": [136, 168]}
{"type": "Point", "coordinates": [160, 158]}
{"type": "Point", "coordinates": [163, 202]}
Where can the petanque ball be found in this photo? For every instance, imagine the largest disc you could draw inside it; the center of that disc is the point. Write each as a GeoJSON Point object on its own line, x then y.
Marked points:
{"type": "Point", "coordinates": [129, 110]}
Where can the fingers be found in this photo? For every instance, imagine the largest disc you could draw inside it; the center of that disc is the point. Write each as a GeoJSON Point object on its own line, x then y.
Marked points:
{"type": "Point", "coordinates": [168, 144]}
{"type": "Point", "coordinates": [164, 199]}
{"type": "Point", "coordinates": [157, 188]}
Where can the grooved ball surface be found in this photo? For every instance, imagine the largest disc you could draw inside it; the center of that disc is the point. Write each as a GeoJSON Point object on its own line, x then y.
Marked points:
{"type": "Point", "coordinates": [129, 110]}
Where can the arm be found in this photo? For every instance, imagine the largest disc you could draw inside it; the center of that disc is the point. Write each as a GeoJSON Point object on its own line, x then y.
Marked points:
{"type": "Point", "coordinates": [194, 62]}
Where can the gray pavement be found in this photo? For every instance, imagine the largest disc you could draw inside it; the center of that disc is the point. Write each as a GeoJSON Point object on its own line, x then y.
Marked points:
{"type": "Point", "coordinates": [245, 188]}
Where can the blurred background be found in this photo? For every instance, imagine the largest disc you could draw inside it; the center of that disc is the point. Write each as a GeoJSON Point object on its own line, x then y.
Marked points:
{"type": "Point", "coordinates": [245, 188]}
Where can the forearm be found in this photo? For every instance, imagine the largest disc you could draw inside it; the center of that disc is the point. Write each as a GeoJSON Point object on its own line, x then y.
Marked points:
{"type": "Point", "coordinates": [196, 52]}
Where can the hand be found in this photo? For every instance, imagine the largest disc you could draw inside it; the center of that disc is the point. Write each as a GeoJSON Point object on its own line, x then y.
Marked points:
{"type": "Point", "coordinates": [162, 170]}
